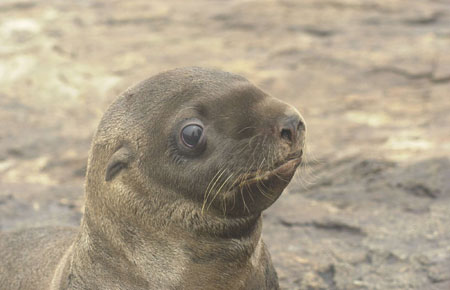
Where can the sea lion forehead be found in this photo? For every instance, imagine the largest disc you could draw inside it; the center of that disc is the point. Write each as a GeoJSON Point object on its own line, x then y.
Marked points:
{"type": "Point", "coordinates": [240, 98]}
{"type": "Point", "coordinates": [210, 93]}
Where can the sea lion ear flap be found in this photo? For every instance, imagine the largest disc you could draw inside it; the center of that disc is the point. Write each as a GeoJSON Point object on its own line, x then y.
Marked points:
{"type": "Point", "coordinates": [118, 161]}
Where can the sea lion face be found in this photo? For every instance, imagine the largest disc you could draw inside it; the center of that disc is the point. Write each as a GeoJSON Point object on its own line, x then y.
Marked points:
{"type": "Point", "coordinates": [233, 149]}
{"type": "Point", "coordinates": [216, 140]}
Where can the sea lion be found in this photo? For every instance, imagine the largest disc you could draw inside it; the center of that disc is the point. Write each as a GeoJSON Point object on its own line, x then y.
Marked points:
{"type": "Point", "coordinates": [179, 171]}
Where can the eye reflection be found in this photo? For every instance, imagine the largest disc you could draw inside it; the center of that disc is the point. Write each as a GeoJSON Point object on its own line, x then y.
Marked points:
{"type": "Point", "coordinates": [191, 134]}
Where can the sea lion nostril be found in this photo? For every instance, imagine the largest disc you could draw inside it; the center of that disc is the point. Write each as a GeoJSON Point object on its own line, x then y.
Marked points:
{"type": "Point", "coordinates": [290, 127]}
{"type": "Point", "coordinates": [287, 135]}
{"type": "Point", "coordinates": [301, 126]}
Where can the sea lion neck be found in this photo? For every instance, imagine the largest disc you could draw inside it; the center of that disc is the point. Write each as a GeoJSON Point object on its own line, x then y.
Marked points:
{"type": "Point", "coordinates": [164, 216]}
{"type": "Point", "coordinates": [174, 238]}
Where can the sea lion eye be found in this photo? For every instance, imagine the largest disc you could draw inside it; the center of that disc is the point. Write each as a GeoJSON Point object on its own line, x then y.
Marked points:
{"type": "Point", "coordinates": [191, 135]}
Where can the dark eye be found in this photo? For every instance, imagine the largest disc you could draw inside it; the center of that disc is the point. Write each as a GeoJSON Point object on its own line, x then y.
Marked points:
{"type": "Point", "coordinates": [191, 135]}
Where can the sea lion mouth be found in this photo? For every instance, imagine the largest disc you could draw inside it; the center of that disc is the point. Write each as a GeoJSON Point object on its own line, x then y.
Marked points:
{"type": "Point", "coordinates": [283, 171]}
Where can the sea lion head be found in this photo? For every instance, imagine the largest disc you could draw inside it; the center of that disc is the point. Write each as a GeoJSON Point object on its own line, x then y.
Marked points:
{"type": "Point", "coordinates": [195, 136]}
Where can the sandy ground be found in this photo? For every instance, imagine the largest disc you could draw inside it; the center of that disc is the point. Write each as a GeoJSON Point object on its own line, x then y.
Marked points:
{"type": "Point", "coordinates": [371, 208]}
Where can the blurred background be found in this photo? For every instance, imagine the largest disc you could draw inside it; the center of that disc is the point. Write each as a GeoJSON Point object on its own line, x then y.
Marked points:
{"type": "Point", "coordinates": [371, 207]}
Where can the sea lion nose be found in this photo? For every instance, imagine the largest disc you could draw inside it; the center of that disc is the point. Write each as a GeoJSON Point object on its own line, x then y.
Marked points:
{"type": "Point", "coordinates": [292, 128]}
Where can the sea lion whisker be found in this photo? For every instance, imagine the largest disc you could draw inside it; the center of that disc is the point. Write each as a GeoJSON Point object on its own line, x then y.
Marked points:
{"type": "Point", "coordinates": [263, 144]}
{"type": "Point", "coordinates": [233, 185]}
{"type": "Point", "coordinates": [229, 189]}
{"type": "Point", "coordinates": [220, 188]}
{"type": "Point", "coordinates": [261, 163]}
{"type": "Point", "coordinates": [273, 162]}
{"type": "Point", "coordinates": [243, 201]}
{"type": "Point", "coordinates": [216, 178]}
{"type": "Point", "coordinates": [224, 207]}
{"type": "Point", "coordinates": [242, 149]}
{"type": "Point", "coordinates": [253, 138]}
{"type": "Point", "coordinates": [207, 188]}
{"type": "Point", "coordinates": [280, 177]}
{"type": "Point", "coordinates": [254, 147]}
{"type": "Point", "coordinates": [308, 175]}
{"type": "Point", "coordinates": [245, 128]}
{"type": "Point", "coordinates": [262, 191]}
{"type": "Point", "coordinates": [250, 193]}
